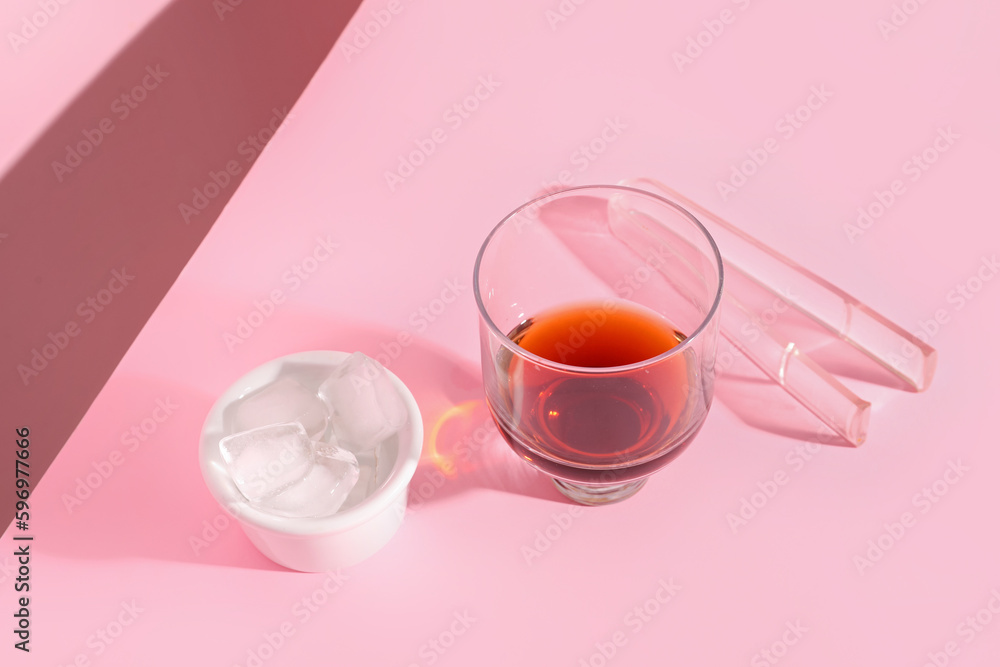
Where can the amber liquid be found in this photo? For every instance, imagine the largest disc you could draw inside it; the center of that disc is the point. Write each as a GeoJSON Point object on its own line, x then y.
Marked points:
{"type": "Point", "coordinates": [596, 427]}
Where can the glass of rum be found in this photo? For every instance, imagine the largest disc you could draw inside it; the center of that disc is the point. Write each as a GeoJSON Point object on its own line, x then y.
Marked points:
{"type": "Point", "coordinates": [598, 324]}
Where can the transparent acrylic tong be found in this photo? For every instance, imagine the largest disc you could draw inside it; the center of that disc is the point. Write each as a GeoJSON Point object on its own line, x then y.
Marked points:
{"type": "Point", "coordinates": [750, 265]}
{"type": "Point", "coordinates": [752, 269]}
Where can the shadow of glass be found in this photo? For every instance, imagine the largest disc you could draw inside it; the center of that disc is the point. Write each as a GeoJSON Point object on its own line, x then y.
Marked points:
{"type": "Point", "coordinates": [463, 450]}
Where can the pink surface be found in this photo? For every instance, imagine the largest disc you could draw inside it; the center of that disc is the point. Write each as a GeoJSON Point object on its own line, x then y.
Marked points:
{"type": "Point", "coordinates": [492, 567]}
{"type": "Point", "coordinates": [89, 213]}
{"type": "Point", "coordinates": [48, 56]}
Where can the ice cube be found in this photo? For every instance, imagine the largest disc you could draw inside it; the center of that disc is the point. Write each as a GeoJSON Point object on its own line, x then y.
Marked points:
{"type": "Point", "coordinates": [375, 467]}
{"type": "Point", "coordinates": [322, 490]}
{"type": "Point", "coordinates": [367, 470]}
{"type": "Point", "coordinates": [281, 402]}
{"type": "Point", "coordinates": [265, 460]}
{"type": "Point", "coordinates": [364, 405]}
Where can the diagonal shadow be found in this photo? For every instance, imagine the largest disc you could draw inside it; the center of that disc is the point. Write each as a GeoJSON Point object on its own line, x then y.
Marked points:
{"type": "Point", "coordinates": [129, 179]}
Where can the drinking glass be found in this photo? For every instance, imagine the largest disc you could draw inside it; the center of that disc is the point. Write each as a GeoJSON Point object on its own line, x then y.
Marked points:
{"type": "Point", "coordinates": [600, 274]}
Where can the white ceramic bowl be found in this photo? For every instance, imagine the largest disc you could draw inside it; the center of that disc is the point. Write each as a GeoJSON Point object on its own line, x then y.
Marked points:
{"type": "Point", "coordinates": [312, 544]}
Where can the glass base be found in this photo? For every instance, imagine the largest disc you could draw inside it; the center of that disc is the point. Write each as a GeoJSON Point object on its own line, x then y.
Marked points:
{"type": "Point", "coordinates": [598, 494]}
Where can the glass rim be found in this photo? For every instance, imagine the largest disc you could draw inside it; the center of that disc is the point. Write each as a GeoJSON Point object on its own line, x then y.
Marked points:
{"type": "Point", "coordinates": [597, 370]}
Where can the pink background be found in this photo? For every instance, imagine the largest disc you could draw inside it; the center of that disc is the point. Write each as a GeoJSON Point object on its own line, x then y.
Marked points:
{"type": "Point", "coordinates": [475, 545]}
